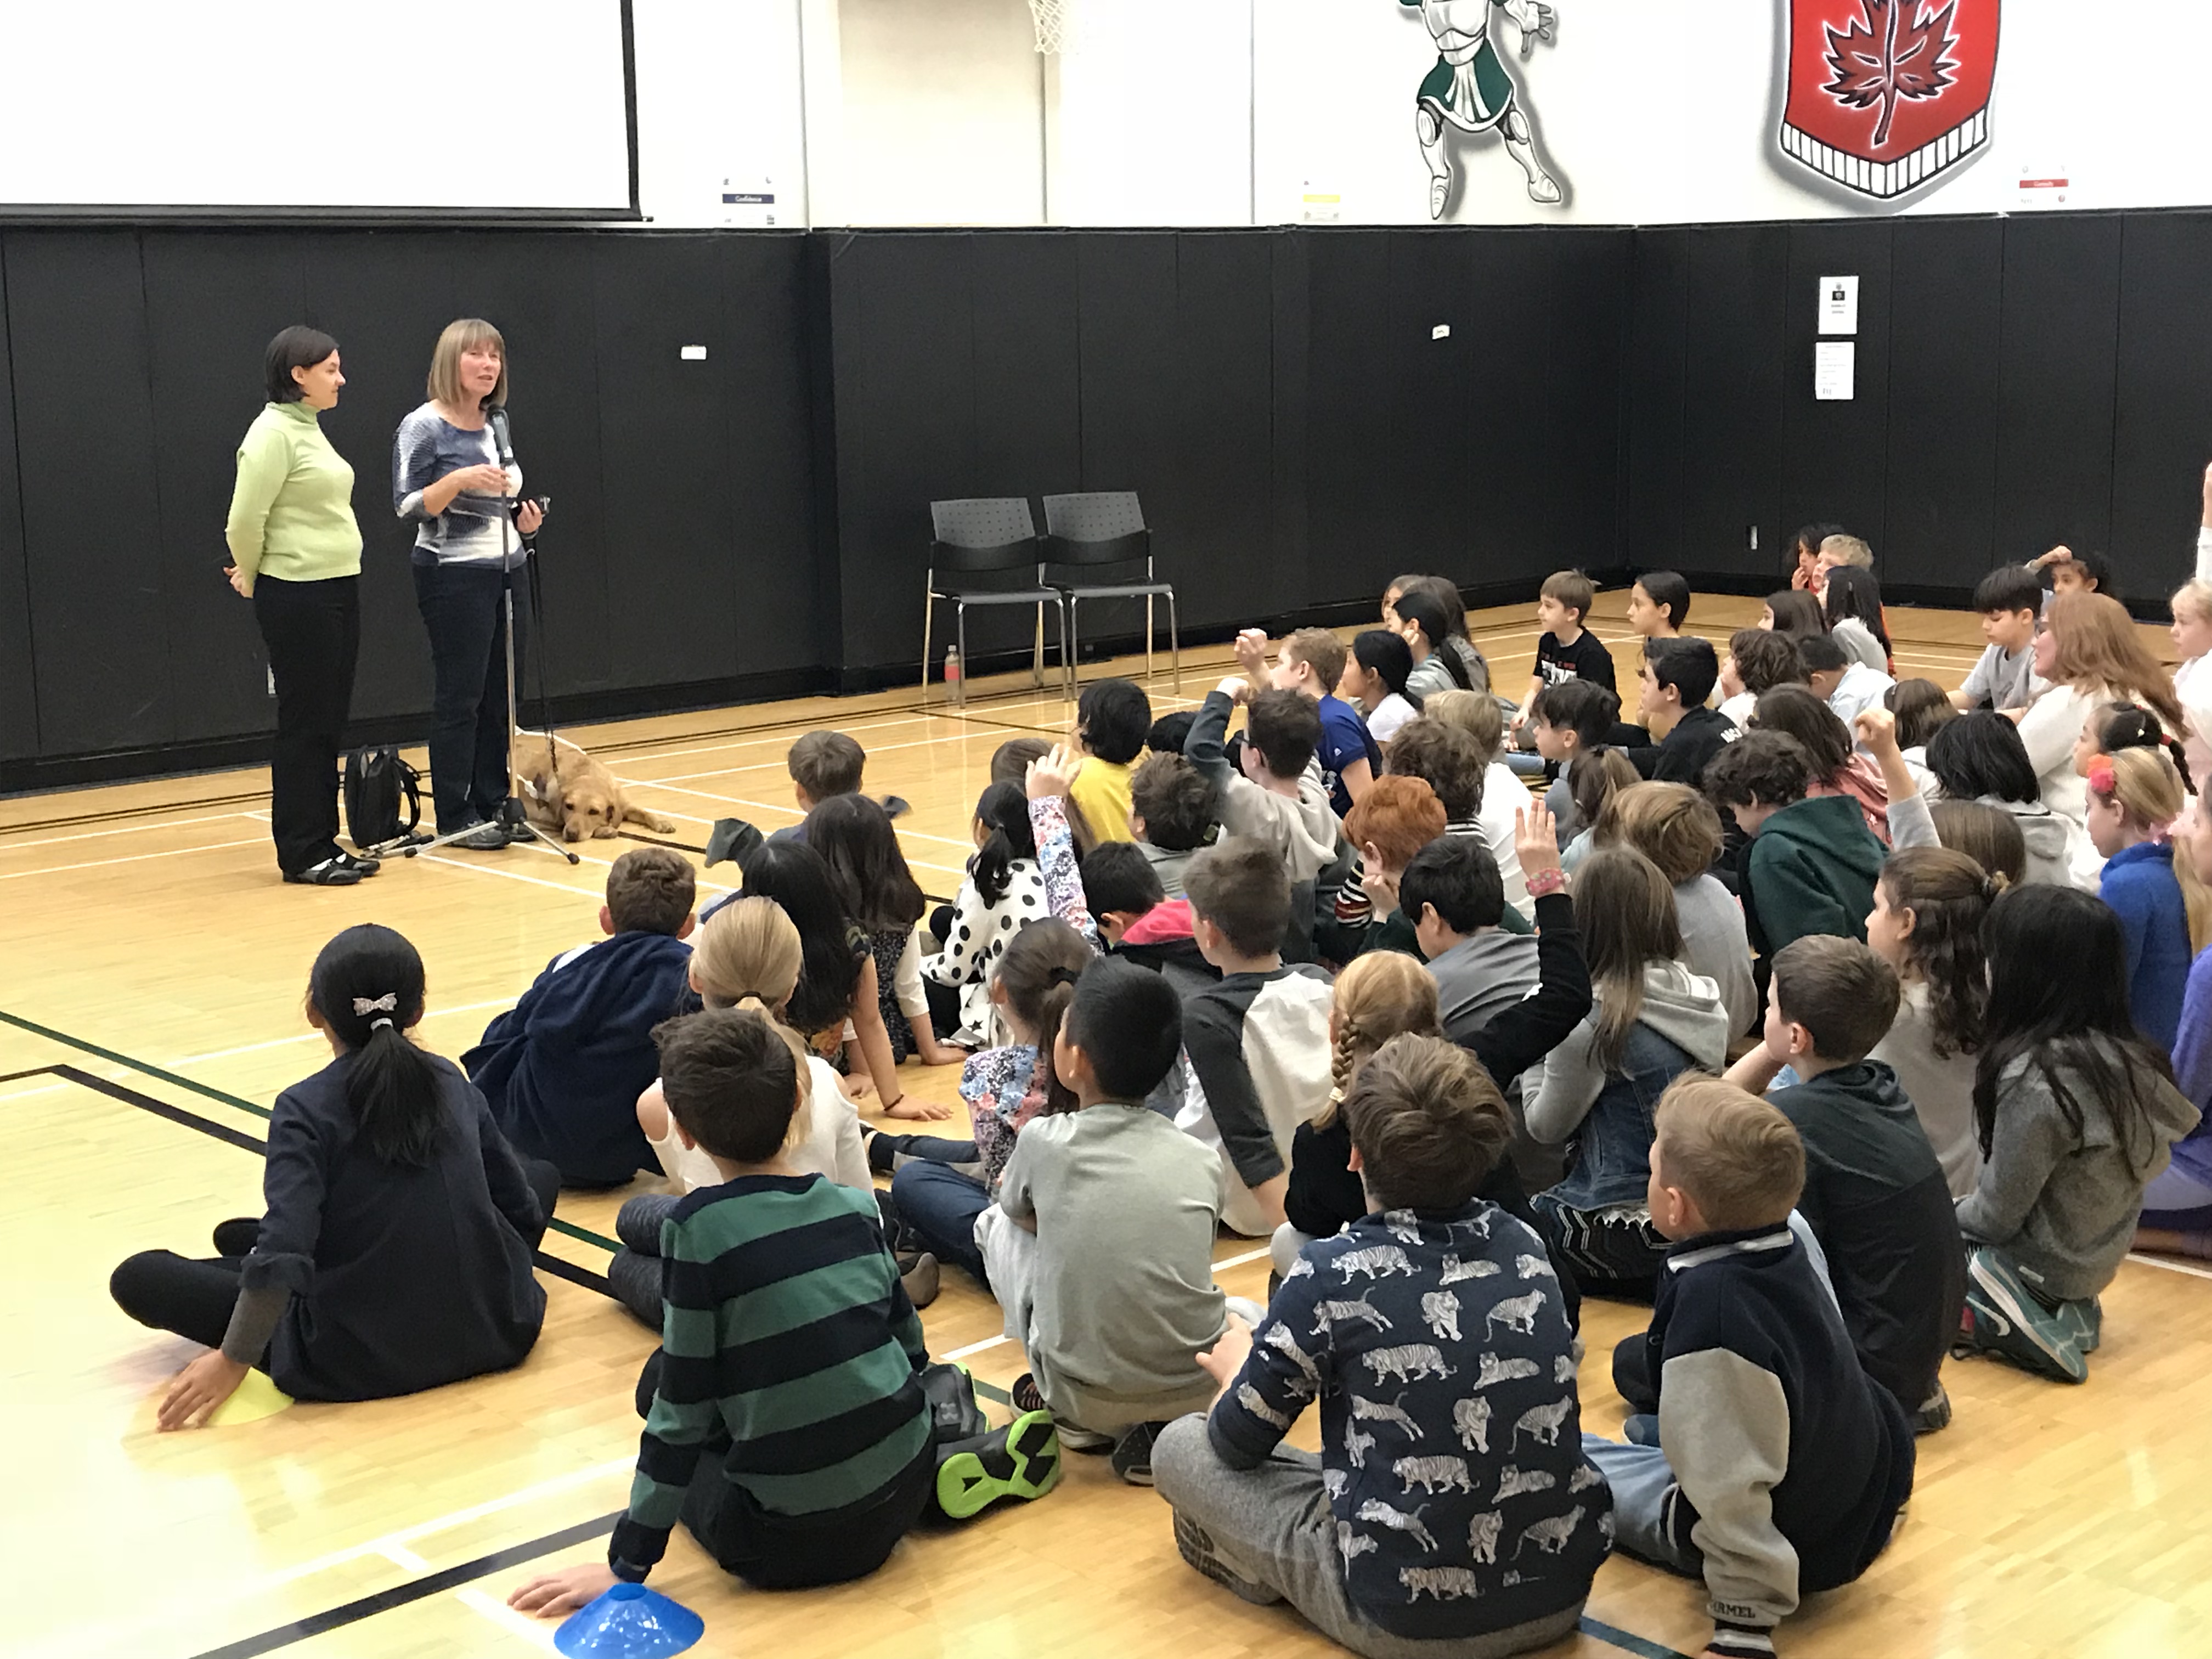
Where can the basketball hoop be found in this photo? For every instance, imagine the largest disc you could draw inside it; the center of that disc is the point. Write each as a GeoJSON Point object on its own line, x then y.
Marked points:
{"type": "Point", "coordinates": [1055, 25]}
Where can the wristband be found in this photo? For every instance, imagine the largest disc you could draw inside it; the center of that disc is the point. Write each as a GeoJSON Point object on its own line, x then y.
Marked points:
{"type": "Point", "coordinates": [1546, 882]}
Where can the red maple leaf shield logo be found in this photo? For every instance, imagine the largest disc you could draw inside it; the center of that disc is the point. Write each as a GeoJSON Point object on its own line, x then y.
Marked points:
{"type": "Point", "coordinates": [1885, 95]}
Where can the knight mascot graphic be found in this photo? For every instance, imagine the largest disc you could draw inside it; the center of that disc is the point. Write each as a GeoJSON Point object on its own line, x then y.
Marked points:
{"type": "Point", "coordinates": [1469, 91]}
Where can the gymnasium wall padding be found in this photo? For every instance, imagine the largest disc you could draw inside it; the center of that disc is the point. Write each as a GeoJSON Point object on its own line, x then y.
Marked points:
{"type": "Point", "coordinates": [757, 524]}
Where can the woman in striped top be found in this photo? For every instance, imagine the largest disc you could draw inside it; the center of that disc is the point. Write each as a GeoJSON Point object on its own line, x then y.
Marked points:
{"type": "Point", "coordinates": [449, 475]}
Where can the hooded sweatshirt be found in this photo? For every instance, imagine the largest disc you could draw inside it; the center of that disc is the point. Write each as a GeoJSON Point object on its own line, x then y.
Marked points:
{"type": "Point", "coordinates": [1161, 939]}
{"type": "Point", "coordinates": [1302, 832]}
{"type": "Point", "coordinates": [2061, 1202]}
{"type": "Point", "coordinates": [1811, 869]}
{"type": "Point", "coordinates": [1682, 1023]}
{"type": "Point", "coordinates": [562, 1069]}
{"type": "Point", "coordinates": [2050, 839]}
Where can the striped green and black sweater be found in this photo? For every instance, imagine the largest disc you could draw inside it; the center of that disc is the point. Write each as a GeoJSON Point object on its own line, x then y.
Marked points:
{"type": "Point", "coordinates": [785, 1328]}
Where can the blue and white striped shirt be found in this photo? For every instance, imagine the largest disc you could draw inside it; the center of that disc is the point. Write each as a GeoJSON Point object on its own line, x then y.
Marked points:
{"type": "Point", "coordinates": [474, 529]}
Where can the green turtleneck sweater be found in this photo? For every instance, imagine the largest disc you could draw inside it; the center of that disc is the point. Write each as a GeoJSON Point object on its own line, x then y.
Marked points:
{"type": "Point", "coordinates": [291, 515]}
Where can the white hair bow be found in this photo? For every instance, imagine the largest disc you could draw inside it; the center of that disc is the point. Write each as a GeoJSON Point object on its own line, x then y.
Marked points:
{"type": "Point", "coordinates": [386, 1004]}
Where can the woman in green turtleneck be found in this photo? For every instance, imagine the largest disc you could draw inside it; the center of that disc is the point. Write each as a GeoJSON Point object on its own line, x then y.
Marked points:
{"type": "Point", "coordinates": [297, 556]}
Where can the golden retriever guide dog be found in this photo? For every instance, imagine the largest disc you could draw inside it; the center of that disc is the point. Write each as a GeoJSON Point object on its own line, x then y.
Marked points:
{"type": "Point", "coordinates": [565, 789]}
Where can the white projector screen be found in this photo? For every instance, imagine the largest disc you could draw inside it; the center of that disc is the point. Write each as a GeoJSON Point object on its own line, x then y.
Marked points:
{"type": "Point", "coordinates": [317, 105]}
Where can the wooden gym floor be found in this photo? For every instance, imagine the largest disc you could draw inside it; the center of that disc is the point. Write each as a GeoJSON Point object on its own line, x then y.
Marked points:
{"type": "Point", "coordinates": [151, 970]}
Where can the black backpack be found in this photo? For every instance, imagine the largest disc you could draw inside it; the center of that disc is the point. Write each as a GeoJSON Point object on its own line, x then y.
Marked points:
{"type": "Point", "coordinates": [375, 781]}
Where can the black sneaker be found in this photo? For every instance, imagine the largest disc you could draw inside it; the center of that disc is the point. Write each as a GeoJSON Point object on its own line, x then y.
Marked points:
{"type": "Point", "coordinates": [367, 866]}
{"type": "Point", "coordinates": [1133, 1453]}
{"type": "Point", "coordinates": [1197, 1548]}
{"type": "Point", "coordinates": [483, 838]}
{"type": "Point", "coordinates": [954, 1415]}
{"type": "Point", "coordinates": [1019, 1461]}
{"type": "Point", "coordinates": [1934, 1412]}
{"type": "Point", "coordinates": [1027, 1397]}
{"type": "Point", "coordinates": [330, 872]}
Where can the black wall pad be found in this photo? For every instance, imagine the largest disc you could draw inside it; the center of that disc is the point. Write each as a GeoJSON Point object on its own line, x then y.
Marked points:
{"type": "Point", "coordinates": [19, 707]}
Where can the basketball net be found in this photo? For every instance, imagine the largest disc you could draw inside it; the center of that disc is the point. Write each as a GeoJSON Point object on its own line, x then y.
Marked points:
{"type": "Point", "coordinates": [1055, 25]}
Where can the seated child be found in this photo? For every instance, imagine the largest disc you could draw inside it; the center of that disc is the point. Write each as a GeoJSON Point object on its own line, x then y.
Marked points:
{"type": "Point", "coordinates": [1100, 1248]}
{"type": "Point", "coordinates": [1502, 797]}
{"type": "Point", "coordinates": [1389, 825]}
{"type": "Point", "coordinates": [2178, 1204]}
{"type": "Point", "coordinates": [1851, 600]}
{"type": "Point", "coordinates": [1658, 604]}
{"type": "Point", "coordinates": [1844, 684]}
{"type": "Point", "coordinates": [1111, 719]}
{"type": "Point", "coordinates": [1654, 1019]}
{"type": "Point", "coordinates": [939, 1188]}
{"type": "Point", "coordinates": [1758, 659]}
{"type": "Point", "coordinates": [2136, 798]}
{"type": "Point", "coordinates": [1677, 828]}
{"type": "Point", "coordinates": [2009, 600]}
{"type": "Point", "coordinates": [2077, 1113]}
{"type": "Point", "coordinates": [1841, 763]}
{"type": "Point", "coordinates": [1258, 1042]}
{"type": "Point", "coordinates": [1002, 890]}
{"type": "Point", "coordinates": [1928, 906]}
{"type": "Point", "coordinates": [1311, 663]}
{"type": "Point", "coordinates": [1174, 809]}
{"type": "Point", "coordinates": [1566, 650]}
{"type": "Point", "coordinates": [1279, 799]}
{"type": "Point", "coordinates": [748, 957]}
{"type": "Point", "coordinates": [1451, 894]}
{"type": "Point", "coordinates": [824, 765]}
{"type": "Point", "coordinates": [1679, 675]}
{"type": "Point", "coordinates": [1776, 1466]}
{"type": "Point", "coordinates": [782, 1309]}
{"type": "Point", "coordinates": [562, 1070]}
{"type": "Point", "coordinates": [1010, 763]}
{"type": "Point", "coordinates": [2191, 606]}
{"type": "Point", "coordinates": [1138, 922]}
{"type": "Point", "coordinates": [869, 870]}
{"type": "Point", "coordinates": [1375, 676]}
{"type": "Point", "coordinates": [1598, 776]}
{"type": "Point", "coordinates": [1568, 721]}
{"type": "Point", "coordinates": [1874, 1195]}
{"type": "Point", "coordinates": [1812, 862]}
{"type": "Point", "coordinates": [1451, 1506]}
{"type": "Point", "coordinates": [394, 1254]}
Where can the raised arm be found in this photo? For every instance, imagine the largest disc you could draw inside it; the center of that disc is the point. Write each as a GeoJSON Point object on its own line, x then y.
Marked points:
{"type": "Point", "coordinates": [1525, 1033]}
{"type": "Point", "coordinates": [1048, 782]}
{"type": "Point", "coordinates": [1910, 822]}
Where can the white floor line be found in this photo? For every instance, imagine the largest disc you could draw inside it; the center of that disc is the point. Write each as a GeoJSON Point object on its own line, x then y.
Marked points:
{"type": "Point", "coordinates": [135, 858]}
{"type": "Point", "coordinates": [117, 829]}
{"type": "Point", "coordinates": [644, 752]}
{"type": "Point", "coordinates": [2171, 1266]}
{"type": "Point", "coordinates": [975, 1347]}
{"type": "Point", "coordinates": [777, 765]}
{"type": "Point", "coordinates": [538, 1633]}
{"type": "Point", "coordinates": [317, 1037]}
{"type": "Point", "coordinates": [510, 875]}
{"type": "Point", "coordinates": [1261, 1253]}
{"type": "Point", "coordinates": [791, 812]}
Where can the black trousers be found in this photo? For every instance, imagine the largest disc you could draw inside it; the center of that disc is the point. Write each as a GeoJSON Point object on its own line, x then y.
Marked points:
{"type": "Point", "coordinates": [192, 1297]}
{"type": "Point", "coordinates": [791, 1552]}
{"type": "Point", "coordinates": [464, 609]}
{"type": "Point", "coordinates": [313, 632]}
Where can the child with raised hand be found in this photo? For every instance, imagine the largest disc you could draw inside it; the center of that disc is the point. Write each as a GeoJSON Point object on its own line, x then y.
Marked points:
{"type": "Point", "coordinates": [1451, 1508]}
{"type": "Point", "coordinates": [869, 870]}
{"type": "Point", "coordinates": [1759, 1455]}
{"type": "Point", "coordinates": [1930, 903]}
{"type": "Point", "coordinates": [1377, 673]}
{"type": "Point", "coordinates": [939, 1189]}
{"type": "Point", "coordinates": [1002, 890]}
{"type": "Point", "coordinates": [1653, 1020]}
{"type": "Point", "coordinates": [789, 1418]}
{"type": "Point", "coordinates": [2136, 797]}
{"type": "Point", "coordinates": [836, 1006]}
{"type": "Point", "coordinates": [2076, 1113]}
{"type": "Point", "coordinates": [748, 957]}
{"type": "Point", "coordinates": [1100, 1248]}
{"type": "Point", "coordinates": [562, 1069]}
{"type": "Point", "coordinates": [1875, 1196]}
{"type": "Point", "coordinates": [1312, 662]}
{"type": "Point", "coordinates": [394, 1251]}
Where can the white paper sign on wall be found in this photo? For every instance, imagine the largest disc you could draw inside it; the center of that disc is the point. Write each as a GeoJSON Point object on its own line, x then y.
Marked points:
{"type": "Point", "coordinates": [1839, 305]}
{"type": "Point", "coordinates": [1833, 364]}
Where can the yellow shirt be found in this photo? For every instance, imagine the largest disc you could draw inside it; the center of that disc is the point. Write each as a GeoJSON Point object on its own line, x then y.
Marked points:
{"type": "Point", "coordinates": [1102, 790]}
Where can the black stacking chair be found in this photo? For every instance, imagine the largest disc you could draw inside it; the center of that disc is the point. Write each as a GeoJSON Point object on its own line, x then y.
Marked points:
{"type": "Point", "coordinates": [1089, 536]}
{"type": "Point", "coordinates": [986, 536]}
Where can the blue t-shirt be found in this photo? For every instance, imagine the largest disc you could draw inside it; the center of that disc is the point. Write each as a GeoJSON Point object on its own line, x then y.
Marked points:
{"type": "Point", "coordinates": [1345, 739]}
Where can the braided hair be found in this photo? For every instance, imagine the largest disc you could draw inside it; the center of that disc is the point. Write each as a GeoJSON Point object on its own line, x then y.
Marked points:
{"type": "Point", "coordinates": [1379, 995]}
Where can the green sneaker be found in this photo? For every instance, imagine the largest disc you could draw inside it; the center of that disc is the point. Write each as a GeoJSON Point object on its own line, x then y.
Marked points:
{"type": "Point", "coordinates": [1019, 1461]}
{"type": "Point", "coordinates": [2085, 1319]}
{"type": "Point", "coordinates": [2005, 1318]}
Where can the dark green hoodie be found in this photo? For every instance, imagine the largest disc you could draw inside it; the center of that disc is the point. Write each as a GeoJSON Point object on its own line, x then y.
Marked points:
{"type": "Point", "coordinates": [1812, 869]}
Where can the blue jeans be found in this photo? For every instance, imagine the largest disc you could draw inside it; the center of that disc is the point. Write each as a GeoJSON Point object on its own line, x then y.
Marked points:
{"type": "Point", "coordinates": [1641, 1481]}
{"type": "Point", "coordinates": [464, 606]}
{"type": "Point", "coordinates": [939, 1206]}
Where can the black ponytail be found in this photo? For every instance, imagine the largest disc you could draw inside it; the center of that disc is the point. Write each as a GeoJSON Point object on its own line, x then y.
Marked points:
{"type": "Point", "coordinates": [1379, 651]}
{"type": "Point", "coordinates": [367, 984]}
{"type": "Point", "coordinates": [1004, 810]}
{"type": "Point", "coordinates": [1422, 609]}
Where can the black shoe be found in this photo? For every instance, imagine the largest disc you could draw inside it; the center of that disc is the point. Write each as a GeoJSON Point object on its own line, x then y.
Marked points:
{"type": "Point", "coordinates": [954, 1415]}
{"type": "Point", "coordinates": [483, 838]}
{"type": "Point", "coordinates": [730, 838]}
{"type": "Point", "coordinates": [1019, 1461]}
{"type": "Point", "coordinates": [367, 866]}
{"type": "Point", "coordinates": [237, 1238]}
{"type": "Point", "coordinates": [1027, 1397]}
{"type": "Point", "coordinates": [920, 1280]}
{"type": "Point", "coordinates": [1133, 1453]}
{"type": "Point", "coordinates": [1935, 1414]}
{"type": "Point", "coordinates": [1197, 1548]}
{"type": "Point", "coordinates": [330, 872]}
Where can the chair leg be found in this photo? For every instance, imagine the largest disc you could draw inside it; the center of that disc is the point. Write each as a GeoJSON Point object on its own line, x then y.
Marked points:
{"type": "Point", "coordinates": [960, 625]}
{"type": "Point", "coordinates": [1074, 651]}
{"type": "Point", "coordinates": [1174, 644]}
{"type": "Point", "coordinates": [1036, 657]}
{"type": "Point", "coordinates": [1148, 639]}
{"type": "Point", "coordinates": [1067, 677]}
{"type": "Point", "coordinates": [928, 613]}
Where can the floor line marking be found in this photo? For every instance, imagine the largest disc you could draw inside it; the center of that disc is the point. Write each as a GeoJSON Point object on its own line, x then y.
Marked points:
{"type": "Point", "coordinates": [317, 1037]}
{"type": "Point", "coordinates": [133, 858]}
{"type": "Point", "coordinates": [976, 1347]}
{"type": "Point", "coordinates": [2171, 1266]}
{"type": "Point", "coordinates": [118, 829]}
{"type": "Point", "coordinates": [140, 1066]}
{"type": "Point", "coordinates": [1249, 1255]}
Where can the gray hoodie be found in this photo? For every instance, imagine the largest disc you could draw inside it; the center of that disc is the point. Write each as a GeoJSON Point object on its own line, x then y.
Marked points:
{"type": "Point", "coordinates": [1681, 1006]}
{"type": "Point", "coordinates": [2063, 1203]}
{"type": "Point", "coordinates": [1303, 831]}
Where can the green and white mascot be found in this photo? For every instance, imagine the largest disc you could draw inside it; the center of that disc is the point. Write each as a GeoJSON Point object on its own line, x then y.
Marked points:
{"type": "Point", "coordinates": [1470, 90]}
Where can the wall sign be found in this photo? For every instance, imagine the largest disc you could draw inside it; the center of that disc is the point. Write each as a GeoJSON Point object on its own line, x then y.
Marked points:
{"type": "Point", "coordinates": [1887, 96]}
{"type": "Point", "coordinates": [1839, 305]}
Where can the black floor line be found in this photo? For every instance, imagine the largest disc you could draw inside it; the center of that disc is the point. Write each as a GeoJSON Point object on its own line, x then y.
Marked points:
{"type": "Point", "coordinates": [415, 1590]}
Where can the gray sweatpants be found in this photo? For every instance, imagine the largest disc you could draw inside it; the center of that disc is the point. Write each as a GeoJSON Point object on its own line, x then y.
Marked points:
{"type": "Point", "coordinates": [1271, 1527]}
